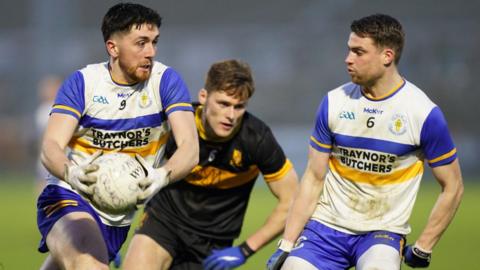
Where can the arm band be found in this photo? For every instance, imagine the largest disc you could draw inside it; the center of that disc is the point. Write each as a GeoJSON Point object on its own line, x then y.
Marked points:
{"type": "Point", "coordinates": [246, 250]}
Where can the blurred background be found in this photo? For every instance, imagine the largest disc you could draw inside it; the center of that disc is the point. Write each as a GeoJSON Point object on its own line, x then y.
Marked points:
{"type": "Point", "coordinates": [295, 48]}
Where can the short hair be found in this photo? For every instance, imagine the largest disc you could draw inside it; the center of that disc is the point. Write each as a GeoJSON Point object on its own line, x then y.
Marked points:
{"type": "Point", "coordinates": [232, 76]}
{"type": "Point", "coordinates": [383, 29]}
{"type": "Point", "coordinates": [121, 17]}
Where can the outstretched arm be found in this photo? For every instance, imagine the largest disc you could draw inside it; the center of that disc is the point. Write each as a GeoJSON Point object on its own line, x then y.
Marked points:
{"type": "Point", "coordinates": [283, 189]}
{"type": "Point", "coordinates": [303, 206]}
{"type": "Point", "coordinates": [306, 199]}
{"type": "Point", "coordinates": [228, 258]}
{"type": "Point", "coordinates": [450, 179]}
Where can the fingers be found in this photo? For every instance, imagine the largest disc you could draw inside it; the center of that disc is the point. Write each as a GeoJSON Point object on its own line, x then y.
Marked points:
{"type": "Point", "coordinates": [145, 195]}
{"type": "Point", "coordinates": [87, 179]}
{"type": "Point", "coordinates": [145, 182]}
{"type": "Point", "coordinates": [85, 188]}
{"type": "Point", "coordinates": [90, 168]}
{"type": "Point", "coordinates": [209, 263]}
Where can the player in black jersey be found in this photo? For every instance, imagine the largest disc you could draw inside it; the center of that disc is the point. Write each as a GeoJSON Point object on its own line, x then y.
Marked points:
{"type": "Point", "coordinates": [191, 224]}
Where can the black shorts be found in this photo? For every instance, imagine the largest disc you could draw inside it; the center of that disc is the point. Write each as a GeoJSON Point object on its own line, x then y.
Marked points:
{"type": "Point", "coordinates": [187, 249]}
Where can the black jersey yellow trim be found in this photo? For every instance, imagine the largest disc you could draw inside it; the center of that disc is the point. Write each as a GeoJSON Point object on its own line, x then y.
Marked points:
{"type": "Point", "coordinates": [210, 176]}
{"type": "Point", "coordinates": [201, 129]}
{"type": "Point", "coordinates": [280, 173]}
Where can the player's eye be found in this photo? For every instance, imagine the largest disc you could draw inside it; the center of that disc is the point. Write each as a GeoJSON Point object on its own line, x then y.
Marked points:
{"type": "Point", "coordinates": [239, 107]}
{"type": "Point", "coordinates": [224, 104]}
{"type": "Point", "coordinates": [358, 52]}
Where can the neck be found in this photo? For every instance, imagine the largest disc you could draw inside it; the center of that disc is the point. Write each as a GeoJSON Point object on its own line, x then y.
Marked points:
{"type": "Point", "coordinates": [384, 85]}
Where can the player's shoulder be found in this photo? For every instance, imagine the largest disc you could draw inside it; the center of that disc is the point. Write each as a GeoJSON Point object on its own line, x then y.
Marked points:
{"type": "Point", "coordinates": [252, 125]}
{"type": "Point", "coordinates": [159, 68]}
{"type": "Point", "coordinates": [95, 68]}
{"type": "Point", "coordinates": [94, 71]}
{"type": "Point", "coordinates": [414, 100]}
{"type": "Point", "coordinates": [416, 95]}
{"type": "Point", "coordinates": [345, 90]}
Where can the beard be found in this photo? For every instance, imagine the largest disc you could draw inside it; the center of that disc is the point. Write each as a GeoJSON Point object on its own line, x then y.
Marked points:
{"type": "Point", "coordinates": [134, 73]}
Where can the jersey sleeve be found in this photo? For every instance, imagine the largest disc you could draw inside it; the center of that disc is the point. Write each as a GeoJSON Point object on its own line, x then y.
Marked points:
{"type": "Point", "coordinates": [321, 138]}
{"type": "Point", "coordinates": [435, 140]}
{"type": "Point", "coordinates": [71, 96]}
{"type": "Point", "coordinates": [271, 159]}
{"type": "Point", "coordinates": [174, 93]}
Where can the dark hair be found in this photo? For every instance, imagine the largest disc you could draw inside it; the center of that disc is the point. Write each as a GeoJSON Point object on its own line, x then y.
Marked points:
{"type": "Point", "coordinates": [385, 31]}
{"type": "Point", "coordinates": [121, 17]}
{"type": "Point", "coordinates": [231, 76]}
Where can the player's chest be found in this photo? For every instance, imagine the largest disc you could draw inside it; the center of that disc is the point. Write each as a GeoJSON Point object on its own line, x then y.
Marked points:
{"type": "Point", "coordinates": [230, 156]}
{"type": "Point", "coordinates": [362, 118]}
{"type": "Point", "coordinates": [106, 101]}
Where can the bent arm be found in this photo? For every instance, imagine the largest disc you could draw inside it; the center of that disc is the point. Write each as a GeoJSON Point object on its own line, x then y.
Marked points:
{"type": "Point", "coordinates": [450, 179]}
{"type": "Point", "coordinates": [186, 138]}
{"type": "Point", "coordinates": [59, 131]}
{"type": "Point", "coordinates": [283, 189]}
{"type": "Point", "coordinates": [306, 199]}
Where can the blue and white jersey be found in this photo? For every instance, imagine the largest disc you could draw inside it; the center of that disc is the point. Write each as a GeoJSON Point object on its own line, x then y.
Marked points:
{"type": "Point", "coordinates": [125, 118]}
{"type": "Point", "coordinates": [378, 148]}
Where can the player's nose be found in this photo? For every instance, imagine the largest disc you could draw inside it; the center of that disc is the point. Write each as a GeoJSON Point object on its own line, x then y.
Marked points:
{"type": "Point", "coordinates": [150, 50]}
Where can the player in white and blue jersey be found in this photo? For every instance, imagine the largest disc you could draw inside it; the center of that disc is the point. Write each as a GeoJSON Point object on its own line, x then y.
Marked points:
{"type": "Point", "coordinates": [366, 157]}
{"type": "Point", "coordinates": [129, 104]}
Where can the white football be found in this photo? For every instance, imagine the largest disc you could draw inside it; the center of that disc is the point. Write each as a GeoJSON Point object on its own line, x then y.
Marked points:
{"type": "Point", "coordinates": [116, 189]}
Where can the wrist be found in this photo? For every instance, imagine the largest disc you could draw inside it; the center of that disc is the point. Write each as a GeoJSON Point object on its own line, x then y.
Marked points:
{"type": "Point", "coordinates": [246, 250]}
{"type": "Point", "coordinates": [421, 252]}
{"type": "Point", "coordinates": [285, 245]}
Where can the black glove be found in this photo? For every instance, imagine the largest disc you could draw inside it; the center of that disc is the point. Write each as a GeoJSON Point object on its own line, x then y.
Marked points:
{"type": "Point", "coordinates": [416, 257]}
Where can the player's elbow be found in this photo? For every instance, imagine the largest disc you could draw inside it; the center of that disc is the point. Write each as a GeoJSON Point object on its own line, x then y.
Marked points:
{"type": "Point", "coordinates": [194, 154]}
{"type": "Point", "coordinates": [45, 152]}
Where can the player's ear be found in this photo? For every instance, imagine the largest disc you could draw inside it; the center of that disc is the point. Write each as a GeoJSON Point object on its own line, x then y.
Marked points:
{"type": "Point", "coordinates": [202, 96]}
{"type": "Point", "coordinates": [112, 48]}
{"type": "Point", "coordinates": [388, 56]}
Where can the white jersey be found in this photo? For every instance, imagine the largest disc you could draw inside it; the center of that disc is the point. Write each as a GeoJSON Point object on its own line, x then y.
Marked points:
{"type": "Point", "coordinates": [125, 118]}
{"type": "Point", "coordinates": [378, 147]}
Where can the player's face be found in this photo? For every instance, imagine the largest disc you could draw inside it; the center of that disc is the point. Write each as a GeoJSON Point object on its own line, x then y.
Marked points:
{"type": "Point", "coordinates": [136, 52]}
{"type": "Point", "coordinates": [364, 60]}
{"type": "Point", "coordinates": [222, 113]}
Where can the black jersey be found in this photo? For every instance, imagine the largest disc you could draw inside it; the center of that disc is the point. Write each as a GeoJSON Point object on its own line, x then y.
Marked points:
{"type": "Point", "coordinates": [211, 201]}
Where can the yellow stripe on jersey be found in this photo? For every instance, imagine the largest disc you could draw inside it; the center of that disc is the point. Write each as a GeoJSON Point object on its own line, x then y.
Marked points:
{"type": "Point", "coordinates": [222, 179]}
{"type": "Point", "coordinates": [50, 209]}
{"type": "Point", "coordinates": [445, 156]}
{"type": "Point", "coordinates": [320, 144]}
{"type": "Point", "coordinates": [184, 104]}
{"type": "Point", "coordinates": [280, 173]}
{"type": "Point", "coordinates": [376, 179]}
{"type": "Point", "coordinates": [82, 145]}
{"type": "Point", "coordinates": [63, 107]}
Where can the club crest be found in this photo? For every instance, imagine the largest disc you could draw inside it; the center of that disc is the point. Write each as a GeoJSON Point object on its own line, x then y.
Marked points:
{"type": "Point", "coordinates": [144, 100]}
{"type": "Point", "coordinates": [398, 124]}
